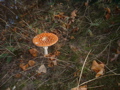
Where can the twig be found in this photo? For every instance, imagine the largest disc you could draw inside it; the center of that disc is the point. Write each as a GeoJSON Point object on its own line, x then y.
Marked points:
{"type": "Point", "coordinates": [98, 78]}
{"type": "Point", "coordinates": [95, 86]}
{"type": "Point", "coordinates": [83, 68]}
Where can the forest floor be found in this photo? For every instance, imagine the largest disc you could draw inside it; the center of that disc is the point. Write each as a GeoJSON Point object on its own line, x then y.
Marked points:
{"type": "Point", "coordinates": [86, 56]}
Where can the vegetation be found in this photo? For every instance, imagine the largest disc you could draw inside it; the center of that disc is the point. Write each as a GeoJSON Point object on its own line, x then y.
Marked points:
{"type": "Point", "coordinates": [89, 43]}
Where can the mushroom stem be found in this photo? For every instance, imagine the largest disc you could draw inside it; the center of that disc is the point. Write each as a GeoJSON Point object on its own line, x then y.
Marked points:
{"type": "Point", "coordinates": [45, 50]}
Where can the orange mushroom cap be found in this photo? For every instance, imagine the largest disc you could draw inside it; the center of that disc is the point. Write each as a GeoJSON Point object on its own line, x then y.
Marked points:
{"type": "Point", "coordinates": [45, 39]}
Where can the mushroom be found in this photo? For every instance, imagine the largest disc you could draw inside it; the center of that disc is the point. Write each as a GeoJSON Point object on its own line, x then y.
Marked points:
{"type": "Point", "coordinates": [44, 40]}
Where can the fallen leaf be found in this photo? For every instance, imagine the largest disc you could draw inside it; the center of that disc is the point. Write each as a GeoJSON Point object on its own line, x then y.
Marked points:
{"type": "Point", "coordinates": [60, 16]}
{"type": "Point", "coordinates": [72, 37]}
{"type": "Point", "coordinates": [8, 89]}
{"type": "Point", "coordinates": [23, 66]}
{"type": "Point", "coordinates": [86, 3]}
{"type": "Point", "coordinates": [52, 57]}
{"type": "Point", "coordinates": [66, 25]}
{"type": "Point", "coordinates": [108, 10]}
{"type": "Point", "coordinates": [33, 52]}
{"type": "Point", "coordinates": [18, 75]}
{"type": "Point", "coordinates": [80, 88]}
{"type": "Point", "coordinates": [98, 68]}
{"type": "Point", "coordinates": [31, 63]}
{"type": "Point", "coordinates": [77, 73]}
{"type": "Point", "coordinates": [56, 53]}
{"type": "Point", "coordinates": [42, 69]}
{"type": "Point", "coordinates": [107, 16]}
{"type": "Point", "coordinates": [52, 63]}
{"type": "Point", "coordinates": [74, 30]}
{"type": "Point", "coordinates": [73, 13]}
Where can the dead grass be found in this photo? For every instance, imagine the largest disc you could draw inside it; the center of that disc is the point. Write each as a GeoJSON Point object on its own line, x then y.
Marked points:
{"type": "Point", "coordinates": [94, 33]}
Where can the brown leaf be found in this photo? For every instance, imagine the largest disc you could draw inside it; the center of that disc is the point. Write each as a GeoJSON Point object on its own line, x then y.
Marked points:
{"type": "Point", "coordinates": [52, 57]}
{"type": "Point", "coordinates": [72, 37]}
{"type": "Point", "coordinates": [98, 68]}
{"type": "Point", "coordinates": [56, 53]}
{"type": "Point", "coordinates": [107, 16]}
{"type": "Point", "coordinates": [73, 13]}
{"type": "Point", "coordinates": [77, 73]}
{"type": "Point", "coordinates": [60, 16]}
{"type": "Point", "coordinates": [74, 30]}
{"type": "Point", "coordinates": [23, 66]}
{"type": "Point", "coordinates": [86, 3]}
{"type": "Point", "coordinates": [108, 10]}
{"type": "Point", "coordinates": [80, 88]}
{"type": "Point", "coordinates": [31, 63]}
{"type": "Point", "coordinates": [8, 88]}
{"type": "Point", "coordinates": [42, 69]}
{"type": "Point", "coordinates": [52, 63]}
{"type": "Point", "coordinates": [18, 75]}
{"type": "Point", "coordinates": [33, 52]}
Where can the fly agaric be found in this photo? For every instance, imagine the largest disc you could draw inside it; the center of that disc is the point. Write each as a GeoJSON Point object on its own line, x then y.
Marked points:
{"type": "Point", "coordinates": [44, 40]}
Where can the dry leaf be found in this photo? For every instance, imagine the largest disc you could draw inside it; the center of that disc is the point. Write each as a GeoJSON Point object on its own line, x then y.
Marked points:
{"type": "Point", "coordinates": [86, 3]}
{"type": "Point", "coordinates": [98, 68]}
{"type": "Point", "coordinates": [18, 75]}
{"type": "Point", "coordinates": [52, 63]}
{"type": "Point", "coordinates": [8, 89]}
{"type": "Point", "coordinates": [107, 16]}
{"type": "Point", "coordinates": [56, 53]}
{"type": "Point", "coordinates": [31, 63]}
{"type": "Point", "coordinates": [108, 10]}
{"type": "Point", "coordinates": [74, 30]}
{"type": "Point", "coordinates": [80, 88]}
{"type": "Point", "coordinates": [52, 57]}
{"type": "Point", "coordinates": [60, 16]}
{"type": "Point", "coordinates": [72, 37]}
{"type": "Point", "coordinates": [77, 73]}
{"type": "Point", "coordinates": [42, 69]}
{"type": "Point", "coordinates": [33, 52]}
{"type": "Point", "coordinates": [73, 13]}
{"type": "Point", "coordinates": [23, 66]}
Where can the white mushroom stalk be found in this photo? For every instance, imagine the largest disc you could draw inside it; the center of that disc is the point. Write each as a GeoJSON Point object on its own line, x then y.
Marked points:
{"type": "Point", "coordinates": [45, 50]}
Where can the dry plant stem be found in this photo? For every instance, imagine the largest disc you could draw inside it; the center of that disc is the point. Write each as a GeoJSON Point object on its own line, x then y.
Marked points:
{"type": "Point", "coordinates": [8, 9]}
{"type": "Point", "coordinates": [98, 78]}
{"type": "Point", "coordinates": [42, 83]}
{"type": "Point", "coordinates": [15, 74]}
{"type": "Point", "coordinates": [83, 68]}
{"type": "Point", "coordinates": [108, 54]}
{"type": "Point", "coordinates": [95, 87]}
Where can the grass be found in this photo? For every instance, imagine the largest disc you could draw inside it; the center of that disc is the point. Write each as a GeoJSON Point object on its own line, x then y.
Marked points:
{"type": "Point", "coordinates": [93, 33]}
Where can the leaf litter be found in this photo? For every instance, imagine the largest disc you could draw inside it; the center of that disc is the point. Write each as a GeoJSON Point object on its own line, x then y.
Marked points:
{"type": "Point", "coordinates": [59, 66]}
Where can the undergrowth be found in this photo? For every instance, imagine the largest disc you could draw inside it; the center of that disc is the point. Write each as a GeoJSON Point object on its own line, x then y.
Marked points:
{"type": "Point", "coordinates": [89, 31]}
